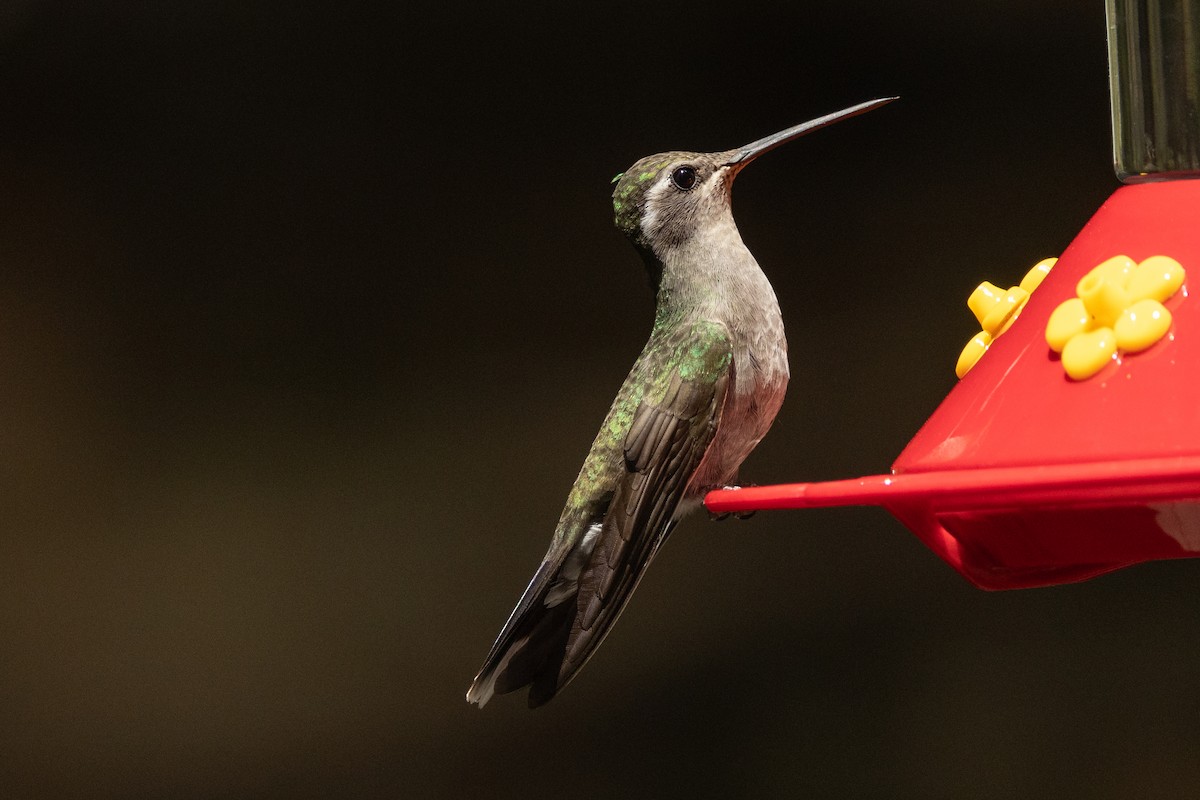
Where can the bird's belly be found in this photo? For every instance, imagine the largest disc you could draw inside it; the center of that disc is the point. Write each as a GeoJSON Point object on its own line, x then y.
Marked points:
{"type": "Point", "coordinates": [745, 420]}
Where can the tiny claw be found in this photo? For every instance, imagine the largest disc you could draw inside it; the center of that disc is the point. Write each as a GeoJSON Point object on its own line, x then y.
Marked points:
{"type": "Point", "coordinates": [736, 514]}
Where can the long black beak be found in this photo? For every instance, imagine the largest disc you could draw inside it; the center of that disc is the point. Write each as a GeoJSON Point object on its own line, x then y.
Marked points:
{"type": "Point", "coordinates": [744, 155]}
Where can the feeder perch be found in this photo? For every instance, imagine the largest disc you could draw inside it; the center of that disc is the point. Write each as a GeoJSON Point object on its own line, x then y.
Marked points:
{"type": "Point", "coordinates": [1034, 471]}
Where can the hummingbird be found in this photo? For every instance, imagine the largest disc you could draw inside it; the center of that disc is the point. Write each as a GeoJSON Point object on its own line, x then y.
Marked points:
{"type": "Point", "coordinates": [699, 398]}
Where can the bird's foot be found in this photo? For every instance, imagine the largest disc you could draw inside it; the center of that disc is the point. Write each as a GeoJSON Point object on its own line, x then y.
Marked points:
{"type": "Point", "coordinates": [737, 514]}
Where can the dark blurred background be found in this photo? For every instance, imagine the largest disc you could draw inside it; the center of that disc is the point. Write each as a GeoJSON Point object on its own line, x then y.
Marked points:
{"type": "Point", "coordinates": [309, 312]}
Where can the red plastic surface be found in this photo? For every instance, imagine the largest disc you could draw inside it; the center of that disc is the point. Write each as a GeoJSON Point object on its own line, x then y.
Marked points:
{"type": "Point", "coordinates": [1024, 477]}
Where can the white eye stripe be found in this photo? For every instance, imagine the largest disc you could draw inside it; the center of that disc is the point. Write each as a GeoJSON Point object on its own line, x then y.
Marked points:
{"type": "Point", "coordinates": [653, 199]}
{"type": "Point", "coordinates": [665, 197]}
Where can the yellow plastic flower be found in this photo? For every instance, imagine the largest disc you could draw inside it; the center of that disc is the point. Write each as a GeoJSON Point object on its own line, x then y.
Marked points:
{"type": "Point", "coordinates": [997, 309]}
{"type": "Point", "coordinates": [1118, 308]}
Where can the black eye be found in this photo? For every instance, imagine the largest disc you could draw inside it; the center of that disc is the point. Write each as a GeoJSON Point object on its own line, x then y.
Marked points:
{"type": "Point", "coordinates": [684, 177]}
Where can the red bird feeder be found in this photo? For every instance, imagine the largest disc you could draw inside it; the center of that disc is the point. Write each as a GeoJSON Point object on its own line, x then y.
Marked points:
{"type": "Point", "coordinates": [1034, 471]}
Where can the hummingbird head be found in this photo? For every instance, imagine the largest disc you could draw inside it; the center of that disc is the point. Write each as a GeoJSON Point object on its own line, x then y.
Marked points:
{"type": "Point", "coordinates": [662, 200]}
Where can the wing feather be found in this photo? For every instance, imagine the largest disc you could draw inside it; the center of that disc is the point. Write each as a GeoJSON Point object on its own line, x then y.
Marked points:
{"type": "Point", "coordinates": [611, 530]}
{"type": "Point", "coordinates": [666, 443]}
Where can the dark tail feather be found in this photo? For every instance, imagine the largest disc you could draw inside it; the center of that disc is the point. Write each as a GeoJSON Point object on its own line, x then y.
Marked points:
{"type": "Point", "coordinates": [535, 657]}
{"type": "Point", "coordinates": [529, 649]}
